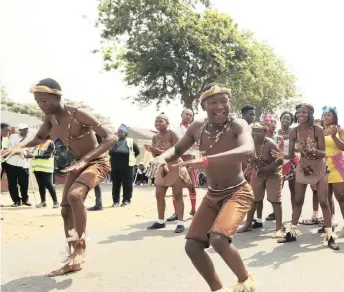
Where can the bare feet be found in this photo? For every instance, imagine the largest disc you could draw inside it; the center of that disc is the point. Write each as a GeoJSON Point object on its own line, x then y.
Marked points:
{"type": "Point", "coordinates": [65, 269]}
{"type": "Point", "coordinates": [244, 229]}
{"type": "Point", "coordinates": [75, 263]}
{"type": "Point", "coordinates": [278, 234]}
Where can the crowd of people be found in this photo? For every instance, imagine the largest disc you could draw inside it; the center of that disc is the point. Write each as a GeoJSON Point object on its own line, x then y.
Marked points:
{"type": "Point", "coordinates": [242, 158]}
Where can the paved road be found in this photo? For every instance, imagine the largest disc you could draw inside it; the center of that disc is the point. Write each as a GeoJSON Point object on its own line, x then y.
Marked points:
{"type": "Point", "coordinates": [127, 257]}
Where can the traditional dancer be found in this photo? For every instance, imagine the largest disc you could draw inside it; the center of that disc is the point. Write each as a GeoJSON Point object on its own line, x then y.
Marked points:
{"type": "Point", "coordinates": [334, 141]}
{"type": "Point", "coordinates": [224, 143]}
{"type": "Point", "coordinates": [289, 165]}
{"type": "Point", "coordinates": [270, 123]}
{"type": "Point", "coordinates": [187, 116]}
{"type": "Point", "coordinates": [176, 178]}
{"type": "Point", "coordinates": [309, 140]}
{"type": "Point", "coordinates": [266, 176]}
{"type": "Point", "coordinates": [76, 128]}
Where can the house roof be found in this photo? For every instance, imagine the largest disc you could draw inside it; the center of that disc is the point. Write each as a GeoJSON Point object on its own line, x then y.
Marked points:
{"type": "Point", "coordinates": [145, 132]}
{"type": "Point", "coordinates": [14, 119]}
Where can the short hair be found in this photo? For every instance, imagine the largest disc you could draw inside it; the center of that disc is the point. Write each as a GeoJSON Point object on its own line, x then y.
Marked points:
{"type": "Point", "coordinates": [247, 107]}
{"type": "Point", "coordinates": [335, 116]}
{"type": "Point", "coordinates": [51, 83]}
{"type": "Point", "coordinates": [4, 126]}
{"type": "Point", "coordinates": [287, 113]}
{"type": "Point", "coordinates": [187, 109]}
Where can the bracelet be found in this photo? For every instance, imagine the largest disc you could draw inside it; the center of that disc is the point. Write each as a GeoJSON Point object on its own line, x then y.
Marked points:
{"type": "Point", "coordinates": [205, 161]}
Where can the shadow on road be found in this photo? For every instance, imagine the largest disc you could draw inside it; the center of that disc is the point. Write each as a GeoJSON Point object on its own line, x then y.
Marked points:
{"type": "Point", "coordinates": [35, 284]}
{"type": "Point", "coordinates": [141, 234]}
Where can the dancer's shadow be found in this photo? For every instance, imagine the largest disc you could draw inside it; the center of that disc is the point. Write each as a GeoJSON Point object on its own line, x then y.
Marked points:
{"type": "Point", "coordinates": [141, 234]}
{"type": "Point", "coordinates": [284, 253]}
{"type": "Point", "coordinates": [35, 284]}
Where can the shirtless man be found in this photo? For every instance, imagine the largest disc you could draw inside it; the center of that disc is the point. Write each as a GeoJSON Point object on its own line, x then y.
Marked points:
{"type": "Point", "coordinates": [180, 130]}
{"type": "Point", "coordinates": [267, 176]}
{"type": "Point", "coordinates": [224, 143]}
{"type": "Point", "coordinates": [76, 128]}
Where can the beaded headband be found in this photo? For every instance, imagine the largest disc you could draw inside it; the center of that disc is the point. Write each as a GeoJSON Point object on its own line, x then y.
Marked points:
{"type": "Point", "coordinates": [259, 126]}
{"type": "Point", "coordinates": [45, 89]}
{"type": "Point", "coordinates": [212, 91]}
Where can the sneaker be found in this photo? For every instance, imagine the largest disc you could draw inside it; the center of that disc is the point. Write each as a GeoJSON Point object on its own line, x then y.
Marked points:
{"type": "Point", "coordinates": [27, 203]}
{"type": "Point", "coordinates": [42, 205]}
{"type": "Point", "coordinates": [179, 229]}
{"type": "Point", "coordinates": [115, 205]}
{"type": "Point", "coordinates": [125, 203]}
{"type": "Point", "coordinates": [56, 205]}
{"type": "Point", "coordinates": [271, 217]}
{"type": "Point", "coordinates": [95, 208]}
{"type": "Point", "coordinates": [172, 218]}
{"type": "Point", "coordinates": [257, 225]}
{"type": "Point", "coordinates": [156, 225]}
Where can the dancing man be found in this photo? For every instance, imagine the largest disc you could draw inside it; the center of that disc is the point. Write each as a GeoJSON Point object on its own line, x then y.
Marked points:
{"type": "Point", "coordinates": [224, 143]}
{"type": "Point", "coordinates": [187, 116]}
{"type": "Point", "coordinates": [77, 129]}
{"type": "Point", "coordinates": [266, 176]}
{"type": "Point", "coordinates": [176, 178]}
{"type": "Point", "coordinates": [308, 139]}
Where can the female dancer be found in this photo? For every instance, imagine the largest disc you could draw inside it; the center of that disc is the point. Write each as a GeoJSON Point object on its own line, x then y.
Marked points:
{"type": "Point", "coordinates": [309, 140]}
{"type": "Point", "coordinates": [334, 141]}
{"type": "Point", "coordinates": [177, 178]}
{"type": "Point", "coordinates": [289, 165]}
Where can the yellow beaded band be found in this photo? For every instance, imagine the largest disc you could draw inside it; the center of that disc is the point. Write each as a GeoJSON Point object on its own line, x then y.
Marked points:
{"type": "Point", "coordinates": [212, 91]}
{"type": "Point", "coordinates": [259, 126]}
{"type": "Point", "coordinates": [46, 89]}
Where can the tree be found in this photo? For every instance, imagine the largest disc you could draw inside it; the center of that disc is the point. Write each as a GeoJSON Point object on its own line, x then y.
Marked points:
{"type": "Point", "coordinates": [171, 51]}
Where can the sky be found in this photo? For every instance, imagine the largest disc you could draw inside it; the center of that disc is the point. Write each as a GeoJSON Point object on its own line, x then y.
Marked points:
{"type": "Point", "coordinates": [50, 38]}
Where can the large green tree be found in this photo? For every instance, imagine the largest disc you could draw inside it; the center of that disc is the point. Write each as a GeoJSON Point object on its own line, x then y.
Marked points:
{"type": "Point", "coordinates": [169, 50]}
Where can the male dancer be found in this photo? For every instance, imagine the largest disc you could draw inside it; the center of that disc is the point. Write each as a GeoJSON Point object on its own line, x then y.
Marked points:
{"type": "Point", "coordinates": [76, 128]}
{"type": "Point", "coordinates": [224, 143]}
{"type": "Point", "coordinates": [248, 113]}
{"type": "Point", "coordinates": [267, 176]}
{"type": "Point", "coordinates": [187, 116]}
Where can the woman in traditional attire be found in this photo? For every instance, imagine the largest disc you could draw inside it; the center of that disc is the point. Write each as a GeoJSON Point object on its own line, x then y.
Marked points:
{"type": "Point", "coordinates": [177, 178]}
{"type": "Point", "coordinates": [289, 165]}
{"type": "Point", "coordinates": [309, 139]}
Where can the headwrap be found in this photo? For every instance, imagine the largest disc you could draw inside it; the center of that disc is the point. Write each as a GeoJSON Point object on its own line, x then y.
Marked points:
{"type": "Point", "coordinates": [212, 91]}
{"type": "Point", "coordinates": [259, 125]}
{"type": "Point", "coordinates": [306, 105]}
{"type": "Point", "coordinates": [47, 86]}
{"type": "Point", "coordinates": [326, 109]}
{"type": "Point", "coordinates": [164, 117]}
{"type": "Point", "coordinates": [123, 128]}
{"type": "Point", "coordinates": [268, 119]}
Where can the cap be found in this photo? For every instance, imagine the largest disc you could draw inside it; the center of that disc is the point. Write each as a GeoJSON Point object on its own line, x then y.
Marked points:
{"type": "Point", "coordinates": [22, 126]}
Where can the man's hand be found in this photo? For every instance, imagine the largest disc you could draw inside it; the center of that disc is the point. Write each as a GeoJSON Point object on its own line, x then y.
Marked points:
{"type": "Point", "coordinates": [76, 167]}
{"type": "Point", "coordinates": [267, 171]}
{"type": "Point", "coordinates": [8, 153]}
{"type": "Point", "coordinates": [277, 154]}
{"type": "Point", "coordinates": [194, 163]}
{"type": "Point", "coordinates": [158, 164]}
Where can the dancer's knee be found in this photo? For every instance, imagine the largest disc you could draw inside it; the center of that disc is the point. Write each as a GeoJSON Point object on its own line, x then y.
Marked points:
{"type": "Point", "coordinates": [77, 194]}
{"type": "Point", "coordinates": [323, 201]}
{"type": "Point", "coordinates": [219, 242]}
{"type": "Point", "coordinates": [193, 247]}
{"type": "Point", "coordinates": [65, 212]}
{"type": "Point", "coordinates": [298, 202]}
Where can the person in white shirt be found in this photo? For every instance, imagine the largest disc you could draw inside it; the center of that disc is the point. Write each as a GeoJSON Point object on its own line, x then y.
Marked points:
{"type": "Point", "coordinates": [180, 130]}
{"type": "Point", "coordinates": [18, 170]}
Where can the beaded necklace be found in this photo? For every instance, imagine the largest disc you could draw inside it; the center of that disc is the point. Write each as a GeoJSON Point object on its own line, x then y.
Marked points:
{"type": "Point", "coordinates": [69, 137]}
{"type": "Point", "coordinates": [218, 134]}
{"type": "Point", "coordinates": [256, 157]}
{"type": "Point", "coordinates": [284, 134]}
